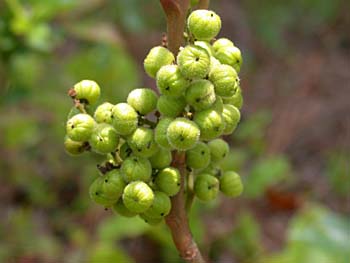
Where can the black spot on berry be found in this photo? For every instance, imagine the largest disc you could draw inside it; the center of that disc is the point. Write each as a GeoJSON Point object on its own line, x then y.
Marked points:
{"type": "Point", "coordinates": [202, 152]}
{"type": "Point", "coordinates": [106, 181]}
{"type": "Point", "coordinates": [167, 88]}
{"type": "Point", "coordinates": [135, 159]}
{"type": "Point", "coordinates": [211, 14]}
{"type": "Point", "coordinates": [178, 184]}
{"type": "Point", "coordinates": [161, 214]}
{"type": "Point", "coordinates": [198, 100]}
{"type": "Point", "coordinates": [72, 126]}
{"type": "Point", "coordinates": [197, 58]}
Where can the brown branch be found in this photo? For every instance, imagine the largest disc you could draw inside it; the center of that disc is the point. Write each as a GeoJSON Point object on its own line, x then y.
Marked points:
{"type": "Point", "coordinates": [203, 4]}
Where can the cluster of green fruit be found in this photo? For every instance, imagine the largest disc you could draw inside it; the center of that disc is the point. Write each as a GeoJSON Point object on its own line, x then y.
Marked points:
{"type": "Point", "coordinates": [200, 101]}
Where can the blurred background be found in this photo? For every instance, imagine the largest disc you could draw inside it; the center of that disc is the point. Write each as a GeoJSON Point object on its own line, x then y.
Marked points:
{"type": "Point", "coordinates": [291, 148]}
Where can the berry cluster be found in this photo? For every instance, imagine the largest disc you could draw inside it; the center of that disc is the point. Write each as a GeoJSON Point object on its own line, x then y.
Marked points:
{"type": "Point", "coordinates": [199, 102]}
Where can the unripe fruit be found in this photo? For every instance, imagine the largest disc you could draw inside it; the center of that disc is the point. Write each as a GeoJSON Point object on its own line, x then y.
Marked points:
{"type": "Point", "coordinates": [161, 159]}
{"type": "Point", "coordinates": [200, 94]}
{"type": "Point", "coordinates": [161, 206]}
{"type": "Point", "coordinates": [199, 156]}
{"type": "Point", "coordinates": [224, 78]}
{"type": "Point", "coordinates": [160, 133]}
{"type": "Point", "coordinates": [156, 58]}
{"type": "Point", "coordinates": [194, 62]}
{"type": "Point", "coordinates": [107, 189]}
{"type": "Point", "coordinates": [125, 118]}
{"type": "Point", "coordinates": [142, 100]}
{"type": "Point", "coordinates": [212, 170]}
{"type": "Point", "coordinates": [168, 181]}
{"type": "Point", "coordinates": [231, 117]}
{"type": "Point", "coordinates": [230, 56]}
{"type": "Point", "coordinates": [104, 139]}
{"type": "Point", "coordinates": [151, 221]}
{"type": "Point", "coordinates": [136, 169]}
{"type": "Point", "coordinates": [138, 197]}
{"type": "Point", "coordinates": [87, 91]}
{"type": "Point", "coordinates": [80, 127]}
{"type": "Point", "coordinates": [206, 45]}
{"type": "Point", "coordinates": [218, 149]}
{"type": "Point", "coordinates": [231, 184]}
{"type": "Point", "coordinates": [210, 124]}
{"type": "Point", "coordinates": [206, 187]}
{"type": "Point", "coordinates": [142, 142]}
{"type": "Point", "coordinates": [222, 43]}
{"type": "Point", "coordinates": [103, 113]}
{"type": "Point", "coordinates": [170, 81]}
{"type": "Point", "coordinates": [183, 134]}
{"type": "Point", "coordinates": [170, 106]}
{"type": "Point", "coordinates": [125, 151]}
{"type": "Point", "coordinates": [218, 105]}
{"type": "Point", "coordinates": [120, 209]}
{"type": "Point", "coordinates": [204, 24]}
{"type": "Point", "coordinates": [73, 147]}
{"type": "Point", "coordinates": [236, 100]}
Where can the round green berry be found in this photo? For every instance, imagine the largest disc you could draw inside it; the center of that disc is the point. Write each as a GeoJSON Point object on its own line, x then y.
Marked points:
{"type": "Point", "coordinates": [212, 169]}
{"type": "Point", "coordinates": [125, 118]}
{"type": "Point", "coordinates": [218, 105]}
{"type": "Point", "coordinates": [168, 181]}
{"type": "Point", "coordinates": [161, 159]}
{"type": "Point", "coordinates": [194, 62]}
{"type": "Point", "coordinates": [160, 133]}
{"type": "Point", "coordinates": [183, 134]}
{"type": "Point", "coordinates": [231, 184]}
{"type": "Point", "coordinates": [235, 100]}
{"type": "Point", "coordinates": [73, 147]}
{"type": "Point", "coordinates": [136, 169]}
{"type": "Point", "coordinates": [222, 43]}
{"type": "Point", "coordinates": [107, 189]}
{"type": "Point", "coordinates": [224, 78]}
{"type": "Point", "coordinates": [80, 127]}
{"type": "Point", "coordinates": [151, 221]}
{"type": "Point", "coordinates": [170, 81]}
{"type": "Point", "coordinates": [230, 56]}
{"type": "Point", "coordinates": [210, 123]}
{"type": "Point", "coordinates": [170, 106]}
{"type": "Point", "coordinates": [231, 117]}
{"type": "Point", "coordinates": [125, 151]}
{"type": "Point", "coordinates": [87, 91]}
{"type": "Point", "coordinates": [200, 94]}
{"type": "Point", "coordinates": [103, 113]}
{"type": "Point", "coordinates": [199, 156]}
{"type": "Point", "coordinates": [206, 187]}
{"type": "Point", "coordinates": [156, 58]}
{"type": "Point", "coordinates": [206, 45]}
{"type": "Point", "coordinates": [204, 24]}
{"type": "Point", "coordinates": [121, 209]}
{"type": "Point", "coordinates": [138, 197]}
{"type": "Point", "coordinates": [218, 149]}
{"type": "Point", "coordinates": [142, 142]}
{"type": "Point", "coordinates": [161, 206]}
{"type": "Point", "coordinates": [104, 139]}
{"type": "Point", "coordinates": [142, 100]}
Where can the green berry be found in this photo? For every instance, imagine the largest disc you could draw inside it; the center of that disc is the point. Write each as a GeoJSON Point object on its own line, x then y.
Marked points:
{"type": "Point", "coordinates": [222, 43]}
{"type": "Point", "coordinates": [103, 113]}
{"type": "Point", "coordinates": [107, 189]}
{"type": "Point", "coordinates": [161, 206]}
{"type": "Point", "coordinates": [125, 118]}
{"type": "Point", "coordinates": [183, 134]}
{"type": "Point", "coordinates": [136, 169]}
{"type": "Point", "coordinates": [161, 159]}
{"type": "Point", "coordinates": [170, 106]}
{"type": "Point", "coordinates": [235, 100]}
{"type": "Point", "coordinates": [80, 127]}
{"type": "Point", "coordinates": [206, 187]}
{"type": "Point", "coordinates": [204, 24]}
{"type": "Point", "coordinates": [194, 62]}
{"type": "Point", "coordinates": [87, 91]}
{"type": "Point", "coordinates": [230, 56]}
{"type": "Point", "coordinates": [199, 156]}
{"type": "Point", "coordinates": [73, 147]}
{"type": "Point", "coordinates": [151, 221]}
{"type": "Point", "coordinates": [142, 142]}
{"type": "Point", "coordinates": [224, 78]}
{"type": "Point", "coordinates": [200, 94]}
{"type": "Point", "coordinates": [168, 181]}
{"type": "Point", "coordinates": [143, 101]}
{"type": "Point", "coordinates": [160, 133]}
{"type": "Point", "coordinates": [212, 169]}
{"type": "Point", "coordinates": [218, 105]}
{"type": "Point", "coordinates": [120, 209]}
{"type": "Point", "coordinates": [206, 45]}
{"type": "Point", "coordinates": [218, 149]}
{"type": "Point", "coordinates": [156, 58]}
{"type": "Point", "coordinates": [104, 139]}
{"type": "Point", "coordinates": [210, 123]}
{"type": "Point", "coordinates": [138, 197]}
{"type": "Point", "coordinates": [231, 117]}
{"type": "Point", "coordinates": [231, 184]}
{"type": "Point", "coordinates": [125, 151]}
{"type": "Point", "coordinates": [170, 81]}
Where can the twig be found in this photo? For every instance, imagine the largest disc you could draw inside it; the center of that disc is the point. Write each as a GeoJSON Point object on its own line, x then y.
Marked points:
{"type": "Point", "coordinates": [203, 4]}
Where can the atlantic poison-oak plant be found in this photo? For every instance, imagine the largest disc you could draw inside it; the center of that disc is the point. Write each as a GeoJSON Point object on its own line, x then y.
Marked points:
{"type": "Point", "coordinates": [149, 139]}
